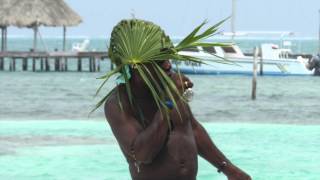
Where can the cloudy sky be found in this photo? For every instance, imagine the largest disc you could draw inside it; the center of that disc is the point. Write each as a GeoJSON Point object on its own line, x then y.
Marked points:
{"type": "Point", "coordinates": [178, 17]}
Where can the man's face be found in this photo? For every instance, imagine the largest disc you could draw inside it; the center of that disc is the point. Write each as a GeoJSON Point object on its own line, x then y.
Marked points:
{"type": "Point", "coordinates": [181, 81]}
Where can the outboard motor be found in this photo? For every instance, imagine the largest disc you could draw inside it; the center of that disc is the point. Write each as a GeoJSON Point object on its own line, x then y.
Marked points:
{"type": "Point", "coordinates": [314, 63]}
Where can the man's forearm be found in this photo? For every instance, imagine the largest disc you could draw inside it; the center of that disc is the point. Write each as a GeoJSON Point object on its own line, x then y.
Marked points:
{"type": "Point", "coordinates": [207, 149]}
{"type": "Point", "coordinates": [149, 142]}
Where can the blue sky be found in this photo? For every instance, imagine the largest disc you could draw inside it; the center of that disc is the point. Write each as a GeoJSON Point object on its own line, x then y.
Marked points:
{"type": "Point", "coordinates": [179, 17]}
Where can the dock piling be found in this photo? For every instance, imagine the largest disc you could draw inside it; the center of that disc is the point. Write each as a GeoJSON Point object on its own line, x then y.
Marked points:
{"type": "Point", "coordinates": [11, 65]}
{"type": "Point", "coordinates": [1, 64]}
{"type": "Point", "coordinates": [47, 65]}
{"type": "Point", "coordinates": [98, 66]}
{"type": "Point", "coordinates": [14, 64]}
{"type": "Point", "coordinates": [56, 64]}
{"type": "Point", "coordinates": [254, 77]}
{"type": "Point", "coordinates": [65, 64]}
{"type": "Point", "coordinates": [90, 64]}
{"type": "Point", "coordinates": [261, 63]}
{"type": "Point", "coordinates": [79, 64]}
{"type": "Point", "coordinates": [94, 64]}
{"type": "Point", "coordinates": [41, 64]}
{"type": "Point", "coordinates": [24, 64]}
{"type": "Point", "coordinates": [61, 65]}
{"type": "Point", "coordinates": [33, 64]}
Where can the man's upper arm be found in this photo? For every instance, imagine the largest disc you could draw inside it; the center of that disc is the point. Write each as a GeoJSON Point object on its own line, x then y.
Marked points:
{"type": "Point", "coordinates": [124, 127]}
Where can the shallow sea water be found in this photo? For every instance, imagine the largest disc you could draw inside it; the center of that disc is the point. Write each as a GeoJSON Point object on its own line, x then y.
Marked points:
{"type": "Point", "coordinates": [87, 150]}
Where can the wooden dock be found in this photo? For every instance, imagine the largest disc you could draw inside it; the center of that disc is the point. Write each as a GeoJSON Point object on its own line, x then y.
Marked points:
{"type": "Point", "coordinates": [59, 60]}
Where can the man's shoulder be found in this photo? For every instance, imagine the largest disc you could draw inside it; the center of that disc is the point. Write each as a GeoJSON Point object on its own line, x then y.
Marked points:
{"type": "Point", "coordinates": [115, 104]}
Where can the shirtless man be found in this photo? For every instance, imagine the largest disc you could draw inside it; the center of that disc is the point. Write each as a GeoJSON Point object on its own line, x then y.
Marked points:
{"type": "Point", "coordinates": [154, 152]}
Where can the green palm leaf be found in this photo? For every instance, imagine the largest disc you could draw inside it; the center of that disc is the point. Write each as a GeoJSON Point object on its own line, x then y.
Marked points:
{"type": "Point", "coordinates": [135, 43]}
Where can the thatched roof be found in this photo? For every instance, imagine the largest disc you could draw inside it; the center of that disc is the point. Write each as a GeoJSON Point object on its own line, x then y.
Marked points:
{"type": "Point", "coordinates": [27, 13]}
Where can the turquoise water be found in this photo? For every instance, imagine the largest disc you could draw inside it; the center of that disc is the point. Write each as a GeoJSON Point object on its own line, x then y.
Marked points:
{"type": "Point", "coordinates": [45, 131]}
{"type": "Point", "coordinates": [87, 150]}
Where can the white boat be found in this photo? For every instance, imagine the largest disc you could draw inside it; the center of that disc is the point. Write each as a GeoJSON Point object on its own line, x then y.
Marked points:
{"type": "Point", "coordinates": [272, 60]}
{"type": "Point", "coordinates": [275, 60]}
{"type": "Point", "coordinates": [80, 47]}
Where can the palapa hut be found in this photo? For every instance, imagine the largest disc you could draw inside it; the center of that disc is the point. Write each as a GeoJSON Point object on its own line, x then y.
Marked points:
{"type": "Point", "coordinates": [34, 13]}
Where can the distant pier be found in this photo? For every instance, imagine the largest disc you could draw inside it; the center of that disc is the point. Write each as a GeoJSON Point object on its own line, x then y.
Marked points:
{"type": "Point", "coordinates": [51, 61]}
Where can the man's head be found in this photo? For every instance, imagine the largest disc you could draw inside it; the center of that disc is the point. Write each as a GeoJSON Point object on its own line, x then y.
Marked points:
{"type": "Point", "coordinates": [141, 46]}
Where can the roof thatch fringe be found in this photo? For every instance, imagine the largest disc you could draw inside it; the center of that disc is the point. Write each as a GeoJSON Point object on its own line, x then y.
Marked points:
{"type": "Point", "coordinates": [28, 13]}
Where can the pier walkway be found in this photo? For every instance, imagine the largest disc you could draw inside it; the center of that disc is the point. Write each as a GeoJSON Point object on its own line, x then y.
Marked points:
{"type": "Point", "coordinates": [58, 59]}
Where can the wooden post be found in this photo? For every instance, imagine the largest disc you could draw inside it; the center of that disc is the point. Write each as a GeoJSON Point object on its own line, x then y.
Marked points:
{"type": "Point", "coordinates": [56, 62]}
{"type": "Point", "coordinates": [94, 64]}
{"type": "Point", "coordinates": [319, 36]}
{"type": "Point", "coordinates": [1, 64]}
{"type": "Point", "coordinates": [254, 77]}
{"type": "Point", "coordinates": [14, 64]}
{"type": "Point", "coordinates": [90, 64]}
{"type": "Point", "coordinates": [99, 61]}
{"type": "Point", "coordinates": [11, 65]}
{"type": "Point", "coordinates": [233, 19]}
{"type": "Point", "coordinates": [6, 38]}
{"type": "Point", "coordinates": [65, 64]}
{"type": "Point", "coordinates": [79, 64]}
{"type": "Point", "coordinates": [64, 38]}
{"type": "Point", "coordinates": [35, 37]}
{"type": "Point", "coordinates": [41, 64]}
{"type": "Point", "coordinates": [61, 64]}
{"type": "Point", "coordinates": [2, 49]}
{"type": "Point", "coordinates": [33, 64]}
{"type": "Point", "coordinates": [2, 39]}
{"type": "Point", "coordinates": [33, 61]}
{"type": "Point", "coordinates": [261, 63]}
{"type": "Point", "coordinates": [47, 65]}
{"type": "Point", "coordinates": [24, 64]}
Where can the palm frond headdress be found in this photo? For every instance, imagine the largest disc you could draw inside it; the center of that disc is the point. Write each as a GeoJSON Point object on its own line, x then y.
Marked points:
{"type": "Point", "coordinates": [134, 43]}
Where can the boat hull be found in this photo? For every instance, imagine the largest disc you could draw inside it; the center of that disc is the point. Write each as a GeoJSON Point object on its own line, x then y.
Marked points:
{"type": "Point", "coordinates": [245, 67]}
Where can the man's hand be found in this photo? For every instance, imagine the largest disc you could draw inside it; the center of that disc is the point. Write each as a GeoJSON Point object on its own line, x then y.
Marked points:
{"type": "Point", "coordinates": [234, 173]}
{"type": "Point", "coordinates": [181, 81]}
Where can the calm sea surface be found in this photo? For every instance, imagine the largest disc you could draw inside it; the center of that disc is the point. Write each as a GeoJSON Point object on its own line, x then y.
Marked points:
{"type": "Point", "coordinates": [45, 131]}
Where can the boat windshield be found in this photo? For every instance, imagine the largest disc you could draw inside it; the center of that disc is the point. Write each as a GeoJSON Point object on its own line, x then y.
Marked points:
{"type": "Point", "coordinates": [194, 49]}
{"type": "Point", "coordinates": [210, 50]}
{"type": "Point", "coordinates": [228, 49]}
